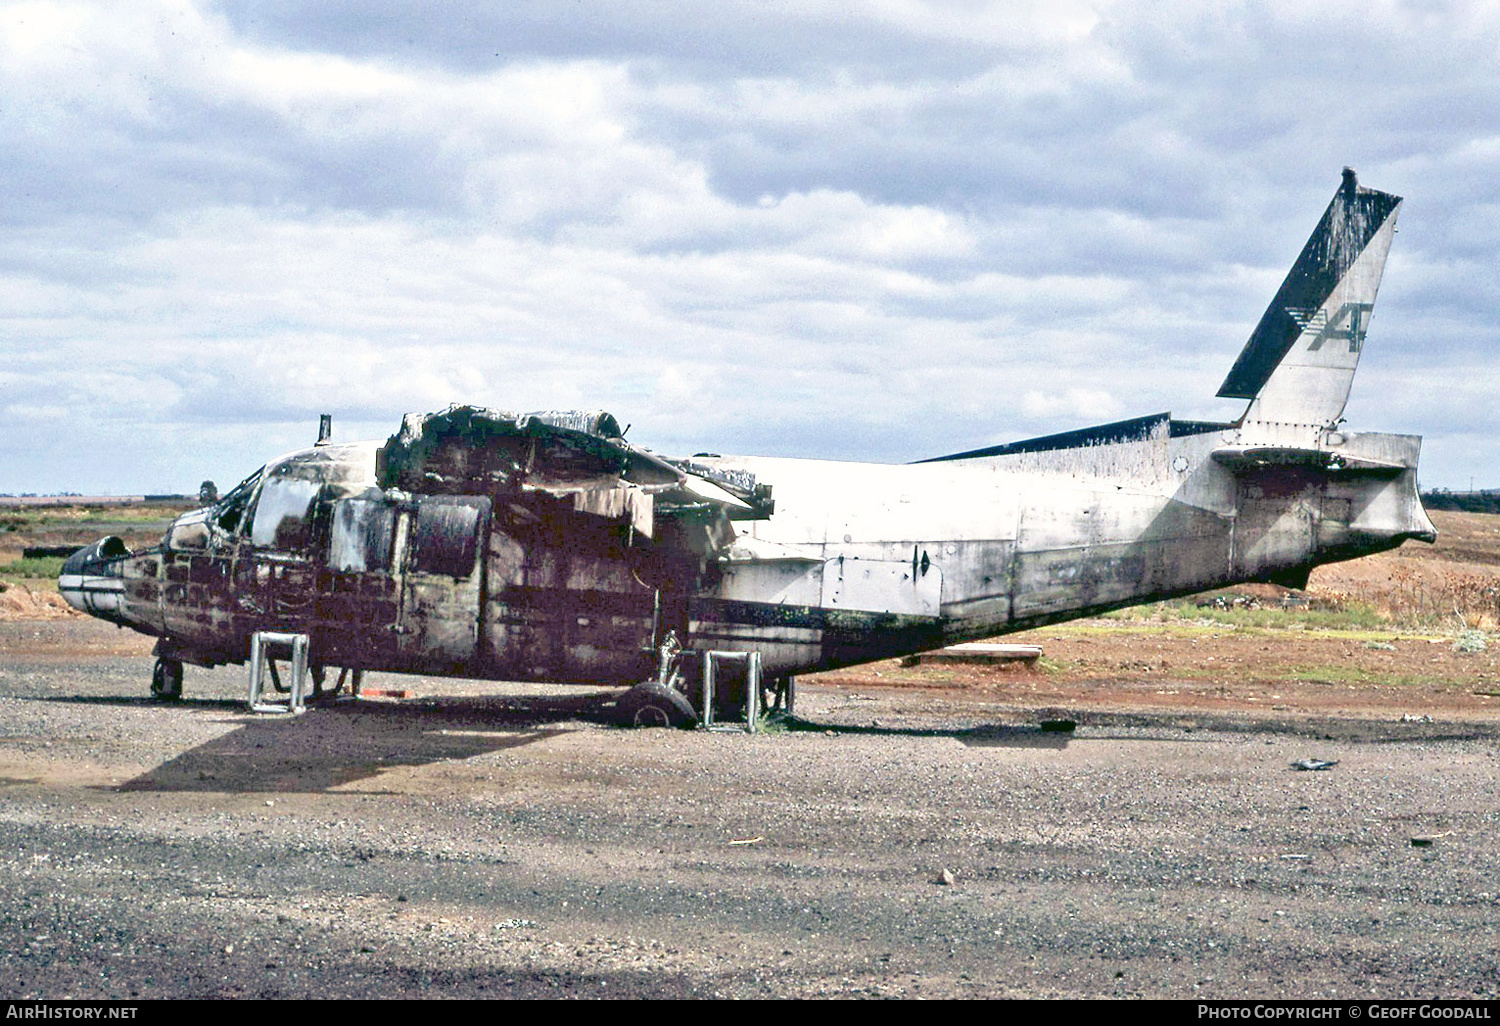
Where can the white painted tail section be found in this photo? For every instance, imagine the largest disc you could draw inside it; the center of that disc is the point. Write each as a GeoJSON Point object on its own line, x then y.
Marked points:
{"type": "Point", "coordinates": [1298, 367]}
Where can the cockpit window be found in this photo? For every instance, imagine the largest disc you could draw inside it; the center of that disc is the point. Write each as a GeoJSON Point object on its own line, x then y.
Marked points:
{"type": "Point", "coordinates": [285, 504]}
{"type": "Point", "coordinates": [282, 513]}
{"type": "Point", "coordinates": [229, 512]}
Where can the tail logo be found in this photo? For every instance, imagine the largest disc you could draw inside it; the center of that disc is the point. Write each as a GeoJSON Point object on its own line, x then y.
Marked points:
{"type": "Point", "coordinates": [1317, 326]}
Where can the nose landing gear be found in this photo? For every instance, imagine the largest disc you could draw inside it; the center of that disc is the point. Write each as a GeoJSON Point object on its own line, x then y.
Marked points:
{"type": "Point", "coordinates": [166, 680]}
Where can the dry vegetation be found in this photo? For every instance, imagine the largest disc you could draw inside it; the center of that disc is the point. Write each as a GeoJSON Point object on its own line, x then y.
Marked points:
{"type": "Point", "coordinates": [28, 585]}
{"type": "Point", "coordinates": [1454, 584]}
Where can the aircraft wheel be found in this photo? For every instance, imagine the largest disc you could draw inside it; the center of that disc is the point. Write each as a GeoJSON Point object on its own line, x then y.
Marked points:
{"type": "Point", "coordinates": [166, 680]}
{"type": "Point", "coordinates": [655, 705]}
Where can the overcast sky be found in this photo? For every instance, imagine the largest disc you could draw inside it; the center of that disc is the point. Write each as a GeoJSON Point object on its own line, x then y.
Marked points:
{"type": "Point", "coordinates": [875, 231]}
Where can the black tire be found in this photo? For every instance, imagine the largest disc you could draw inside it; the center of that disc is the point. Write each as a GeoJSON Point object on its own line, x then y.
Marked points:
{"type": "Point", "coordinates": [166, 680]}
{"type": "Point", "coordinates": [655, 705]}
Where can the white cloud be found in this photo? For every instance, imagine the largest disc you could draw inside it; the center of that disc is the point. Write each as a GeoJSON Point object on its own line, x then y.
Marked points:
{"type": "Point", "coordinates": [1085, 404]}
{"type": "Point", "coordinates": [884, 231]}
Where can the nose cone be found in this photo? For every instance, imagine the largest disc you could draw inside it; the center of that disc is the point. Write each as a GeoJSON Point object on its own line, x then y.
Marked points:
{"type": "Point", "coordinates": [91, 580]}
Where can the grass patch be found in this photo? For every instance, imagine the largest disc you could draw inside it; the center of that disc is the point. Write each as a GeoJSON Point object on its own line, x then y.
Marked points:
{"type": "Point", "coordinates": [1200, 627]}
{"type": "Point", "coordinates": [33, 568]}
{"type": "Point", "coordinates": [1341, 674]}
{"type": "Point", "coordinates": [45, 517]}
{"type": "Point", "coordinates": [38, 573]}
{"type": "Point", "coordinates": [1350, 616]}
{"type": "Point", "coordinates": [54, 524]}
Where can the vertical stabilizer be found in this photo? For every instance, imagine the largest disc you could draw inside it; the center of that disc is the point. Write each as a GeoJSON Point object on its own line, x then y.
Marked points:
{"type": "Point", "coordinates": [1299, 364]}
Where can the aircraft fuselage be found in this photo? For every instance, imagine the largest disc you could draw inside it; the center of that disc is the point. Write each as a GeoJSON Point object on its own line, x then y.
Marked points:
{"type": "Point", "coordinates": [545, 546]}
{"type": "Point", "coordinates": [858, 561]}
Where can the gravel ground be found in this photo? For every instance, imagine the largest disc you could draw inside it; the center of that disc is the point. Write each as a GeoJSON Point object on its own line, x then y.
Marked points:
{"type": "Point", "coordinates": [485, 840]}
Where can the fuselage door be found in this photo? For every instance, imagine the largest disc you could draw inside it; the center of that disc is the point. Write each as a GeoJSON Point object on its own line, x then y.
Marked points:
{"type": "Point", "coordinates": [443, 583]}
{"type": "Point", "coordinates": [361, 608]}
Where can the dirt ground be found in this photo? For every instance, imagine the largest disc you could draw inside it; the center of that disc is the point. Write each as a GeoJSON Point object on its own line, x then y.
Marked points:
{"type": "Point", "coordinates": [1106, 666]}
{"type": "Point", "coordinates": [1381, 672]}
{"type": "Point", "coordinates": [914, 832]}
{"type": "Point", "coordinates": [483, 840]}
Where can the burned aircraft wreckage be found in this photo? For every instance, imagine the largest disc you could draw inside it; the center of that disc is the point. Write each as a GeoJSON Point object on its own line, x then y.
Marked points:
{"type": "Point", "coordinates": [545, 547]}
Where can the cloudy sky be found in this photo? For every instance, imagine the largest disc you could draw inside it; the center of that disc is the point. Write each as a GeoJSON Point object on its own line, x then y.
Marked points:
{"type": "Point", "coordinates": [875, 231]}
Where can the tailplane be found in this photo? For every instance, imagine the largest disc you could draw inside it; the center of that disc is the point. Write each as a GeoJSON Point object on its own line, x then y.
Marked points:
{"type": "Point", "coordinates": [1299, 364]}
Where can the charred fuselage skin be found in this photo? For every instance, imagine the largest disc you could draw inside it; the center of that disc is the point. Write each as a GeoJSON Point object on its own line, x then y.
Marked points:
{"type": "Point", "coordinates": [858, 562]}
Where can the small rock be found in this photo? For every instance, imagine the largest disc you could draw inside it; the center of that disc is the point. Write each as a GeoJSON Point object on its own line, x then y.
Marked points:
{"type": "Point", "coordinates": [945, 877]}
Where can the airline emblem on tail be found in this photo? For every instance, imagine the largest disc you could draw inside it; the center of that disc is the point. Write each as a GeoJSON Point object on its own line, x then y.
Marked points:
{"type": "Point", "coordinates": [1317, 325]}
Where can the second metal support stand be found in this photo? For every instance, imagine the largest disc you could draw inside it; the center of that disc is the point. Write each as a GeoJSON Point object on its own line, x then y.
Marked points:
{"type": "Point", "coordinates": [752, 690]}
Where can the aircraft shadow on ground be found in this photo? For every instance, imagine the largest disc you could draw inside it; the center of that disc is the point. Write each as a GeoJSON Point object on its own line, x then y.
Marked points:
{"type": "Point", "coordinates": [985, 736]}
{"type": "Point", "coordinates": [336, 744]}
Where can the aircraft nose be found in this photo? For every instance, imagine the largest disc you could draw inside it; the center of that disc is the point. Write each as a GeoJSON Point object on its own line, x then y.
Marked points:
{"type": "Point", "coordinates": [91, 580]}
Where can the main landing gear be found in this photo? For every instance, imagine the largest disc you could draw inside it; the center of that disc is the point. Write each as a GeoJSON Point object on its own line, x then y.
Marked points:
{"type": "Point", "coordinates": [660, 702]}
{"type": "Point", "coordinates": [656, 705]}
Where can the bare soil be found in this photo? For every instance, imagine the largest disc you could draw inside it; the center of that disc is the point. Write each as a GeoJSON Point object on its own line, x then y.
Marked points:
{"type": "Point", "coordinates": [1105, 665]}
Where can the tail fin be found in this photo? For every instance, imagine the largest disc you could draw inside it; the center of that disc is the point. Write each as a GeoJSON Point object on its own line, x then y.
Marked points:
{"type": "Point", "coordinates": [1299, 364]}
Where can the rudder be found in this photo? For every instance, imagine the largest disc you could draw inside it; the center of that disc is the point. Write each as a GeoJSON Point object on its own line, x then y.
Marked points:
{"type": "Point", "coordinates": [1299, 363]}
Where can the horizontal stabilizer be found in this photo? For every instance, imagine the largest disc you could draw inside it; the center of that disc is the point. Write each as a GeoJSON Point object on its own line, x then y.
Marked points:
{"type": "Point", "coordinates": [1258, 457]}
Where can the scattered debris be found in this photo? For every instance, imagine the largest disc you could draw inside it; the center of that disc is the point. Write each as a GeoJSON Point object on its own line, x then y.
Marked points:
{"type": "Point", "coordinates": [1314, 764]}
{"type": "Point", "coordinates": [1426, 840]}
{"type": "Point", "coordinates": [1413, 718]}
{"type": "Point", "coordinates": [386, 693]}
{"type": "Point", "coordinates": [1230, 601]}
{"type": "Point", "coordinates": [514, 924]}
{"type": "Point", "coordinates": [1298, 857]}
{"type": "Point", "coordinates": [1383, 646]}
{"type": "Point", "coordinates": [977, 654]}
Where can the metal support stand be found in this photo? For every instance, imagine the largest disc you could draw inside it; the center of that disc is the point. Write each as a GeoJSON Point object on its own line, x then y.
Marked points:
{"type": "Point", "coordinates": [265, 646]}
{"type": "Point", "coordinates": [752, 690]}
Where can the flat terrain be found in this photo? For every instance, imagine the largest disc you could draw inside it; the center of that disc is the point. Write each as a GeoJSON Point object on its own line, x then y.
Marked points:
{"type": "Point", "coordinates": [488, 841]}
{"type": "Point", "coordinates": [497, 840]}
